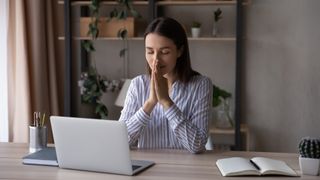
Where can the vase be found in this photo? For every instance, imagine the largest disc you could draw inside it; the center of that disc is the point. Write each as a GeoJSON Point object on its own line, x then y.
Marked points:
{"type": "Point", "coordinates": [215, 28]}
{"type": "Point", "coordinates": [309, 166]}
{"type": "Point", "coordinates": [195, 32]}
{"type": "Point", "coordinates": [223, 117]}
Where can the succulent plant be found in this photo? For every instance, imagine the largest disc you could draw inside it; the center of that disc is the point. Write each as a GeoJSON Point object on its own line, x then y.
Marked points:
{"type": "Point", "coordinates": [309, 148]}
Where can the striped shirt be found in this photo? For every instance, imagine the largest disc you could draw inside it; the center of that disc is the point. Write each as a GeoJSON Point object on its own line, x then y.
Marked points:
{"type": "Point", "coordinates": [183, 126]}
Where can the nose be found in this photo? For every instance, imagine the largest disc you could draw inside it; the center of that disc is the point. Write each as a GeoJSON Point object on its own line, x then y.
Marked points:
{"type": "Point", "coordinates": [156, 56]}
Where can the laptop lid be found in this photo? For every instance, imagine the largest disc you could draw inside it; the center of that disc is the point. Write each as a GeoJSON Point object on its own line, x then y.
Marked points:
{"type": "Point", "coordinates": [93, 145]}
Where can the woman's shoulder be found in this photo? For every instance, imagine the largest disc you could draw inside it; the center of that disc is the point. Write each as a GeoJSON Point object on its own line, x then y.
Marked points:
{"type": "Point", "coordinates": [141, 79]}
{"type": "Point", "coordinates": [200, 79]}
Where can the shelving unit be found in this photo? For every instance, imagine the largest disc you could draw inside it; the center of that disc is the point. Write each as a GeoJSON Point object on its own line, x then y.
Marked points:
{"type": "Point", "coordinates": [196, 3]}
{"type": "Point", "coordinates": [153, 12]}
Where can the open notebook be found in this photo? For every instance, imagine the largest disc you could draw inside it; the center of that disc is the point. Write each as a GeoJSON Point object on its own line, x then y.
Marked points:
{"type": "Point", "coordinates": [238, 166]}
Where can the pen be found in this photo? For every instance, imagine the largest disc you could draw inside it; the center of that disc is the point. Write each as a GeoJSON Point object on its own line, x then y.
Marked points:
{"type": "Point", "coordinates": [254, 164]}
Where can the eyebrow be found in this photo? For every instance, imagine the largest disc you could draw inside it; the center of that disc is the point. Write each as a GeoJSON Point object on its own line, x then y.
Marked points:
{"type": "Point", "coordinates": [160, 48]}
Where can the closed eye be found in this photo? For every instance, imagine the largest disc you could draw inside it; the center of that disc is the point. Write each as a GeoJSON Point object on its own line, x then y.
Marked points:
{"type": "Point", "coordinates": [165, 52]}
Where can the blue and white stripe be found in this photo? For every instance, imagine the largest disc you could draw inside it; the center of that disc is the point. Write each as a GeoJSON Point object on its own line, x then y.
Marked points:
{"type": "Point", "coordinates": [183, 126]}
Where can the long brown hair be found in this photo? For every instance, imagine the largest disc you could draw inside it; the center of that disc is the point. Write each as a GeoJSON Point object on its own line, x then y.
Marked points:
{"type": "Point", "coordinates": [173, 30]}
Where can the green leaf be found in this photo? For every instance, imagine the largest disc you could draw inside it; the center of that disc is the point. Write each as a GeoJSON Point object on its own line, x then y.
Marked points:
{"type": "Point", "coordinates": [219, 93]}
{"type": "Point", "coordinates": [113, 13]}
{"type": "Point", "coordinates": [135, 13]}
{"type": "Point", "coordinates": [87, 45]}
{"type": "Point", "coordinates": [122, 52]}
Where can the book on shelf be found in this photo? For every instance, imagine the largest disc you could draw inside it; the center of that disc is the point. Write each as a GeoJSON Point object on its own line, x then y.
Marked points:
{"type": "Point", "coordinates": [257, 166]}
{"type": "Point", "coordinates": [46, 156]}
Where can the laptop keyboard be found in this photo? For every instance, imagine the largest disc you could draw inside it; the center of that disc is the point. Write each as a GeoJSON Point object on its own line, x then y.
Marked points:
{"type": "Point", "coordinates": [134, 167]}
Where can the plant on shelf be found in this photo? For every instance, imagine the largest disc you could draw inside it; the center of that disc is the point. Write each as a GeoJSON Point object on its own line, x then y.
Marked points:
{"type": "Point", "coordinates": [196, 24]}
{"type": "Point", "coordinates": [222, 114]}
{"type": "Point", "coordinates": [309, 159]}
{"type": "Point", "coordinates": [219, 95]}
{"type": "Point", "coordinates": [93, 87]}
{"type": "Point", "coordinates": [217, 15]}
{"type": "Point", "coordinates": [92, 83]}
{"type": "Point", "coordinates": [126, 10]}
{"type": "Point", "coordinates": [195, 29]}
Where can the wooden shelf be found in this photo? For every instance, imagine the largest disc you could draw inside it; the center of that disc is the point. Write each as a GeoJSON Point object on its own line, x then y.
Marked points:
{"type": "Point", "coordinates": [101, 38]}
{"type": "Point", "coordinates": [86, 3]}
{"type": "Point", "coordinates": [141, 38]}
{"type": "Point", "coordinates": [212, 39]}
{"type": "Point", "coordinates": [214, 130]}
{"type": "Point", "coordinates": [243, 130]}
{"type": "Point", "coordinates": [200, 2]}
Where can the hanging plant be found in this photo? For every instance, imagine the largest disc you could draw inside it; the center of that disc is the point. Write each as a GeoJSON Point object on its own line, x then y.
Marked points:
{"type": "Point", "coordinates": [93, 85]}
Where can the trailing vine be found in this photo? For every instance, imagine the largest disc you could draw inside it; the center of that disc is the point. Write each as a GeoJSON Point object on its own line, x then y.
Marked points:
{"type": "Point", "coordinates": [93, 84]}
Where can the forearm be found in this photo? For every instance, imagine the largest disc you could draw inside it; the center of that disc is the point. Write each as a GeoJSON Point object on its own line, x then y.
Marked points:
{"type": "Point", "coordinates": [148, 107]}
{"type": "Point", "coordinates": [136, 124]}
{"type": "Point", "coordinates": [192, 137]}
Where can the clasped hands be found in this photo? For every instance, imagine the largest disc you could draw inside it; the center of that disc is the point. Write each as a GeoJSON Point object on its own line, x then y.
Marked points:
{"type": "Point", "coordinates": [159, 91]}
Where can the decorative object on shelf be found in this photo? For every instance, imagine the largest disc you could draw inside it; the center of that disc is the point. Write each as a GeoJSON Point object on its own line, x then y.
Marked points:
{"type": "Point", "coordinates": [123, 93]}
{"type": "Point", "coordinates": [195, 29]}
{"type": "Point", "coordinates": [217, 15]}
{"type": "Point", "coordinates": [221, 108]}
{"type": "Point", "coordinates": [309, 159]}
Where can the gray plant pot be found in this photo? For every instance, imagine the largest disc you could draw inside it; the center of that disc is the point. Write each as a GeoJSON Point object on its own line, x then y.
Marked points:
{"type": "Point", "coordinates": [309, 166]}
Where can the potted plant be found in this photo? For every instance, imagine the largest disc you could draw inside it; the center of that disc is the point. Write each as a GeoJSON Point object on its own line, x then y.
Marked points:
{"type": "Point", "coordinates": [120, 18]}
{"type": "Point", "coordinates": [221, 108]}
{"type": "Point", "coordinates": [92, 88]}
{"type": "Point", "coordinates": [217, 15]}
{"type": "Point", "coordinates": [309, 159]}
{"type": "Point", "coordinates": [195, 29]}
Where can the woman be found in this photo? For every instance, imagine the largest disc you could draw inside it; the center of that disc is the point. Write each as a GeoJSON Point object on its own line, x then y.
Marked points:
{"type": "Point", "coordinates": [169, 107]}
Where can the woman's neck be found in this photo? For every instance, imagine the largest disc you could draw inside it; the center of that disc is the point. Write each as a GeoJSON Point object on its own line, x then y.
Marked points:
{"type": "Point", "coordinates": [171, 79]}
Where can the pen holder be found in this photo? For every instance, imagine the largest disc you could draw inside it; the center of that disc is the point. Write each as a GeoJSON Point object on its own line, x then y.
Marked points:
{"type": "Point", "coordinates": [38, 138]}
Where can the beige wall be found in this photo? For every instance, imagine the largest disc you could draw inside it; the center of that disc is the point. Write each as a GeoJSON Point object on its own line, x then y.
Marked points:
{"type": "Point", "coordinates": [281, 95]}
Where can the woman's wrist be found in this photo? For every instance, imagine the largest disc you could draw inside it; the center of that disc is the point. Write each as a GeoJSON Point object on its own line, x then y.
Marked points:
{"type": "Point", "coordinates": [148, 106]}
{"type": "Point", "coordinates": [167, 103]}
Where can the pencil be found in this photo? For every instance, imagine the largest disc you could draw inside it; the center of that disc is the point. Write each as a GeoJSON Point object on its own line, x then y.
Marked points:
{"type": "Point", "coordinates": [43, 119]}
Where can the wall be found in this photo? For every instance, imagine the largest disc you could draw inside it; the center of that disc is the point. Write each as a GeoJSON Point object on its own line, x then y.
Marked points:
{"type": "Point", "coordinates": [281, 89]}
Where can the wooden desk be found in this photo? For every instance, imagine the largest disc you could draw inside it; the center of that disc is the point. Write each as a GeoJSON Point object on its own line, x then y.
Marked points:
{"type": "Point", "coordinates": [170, 164]}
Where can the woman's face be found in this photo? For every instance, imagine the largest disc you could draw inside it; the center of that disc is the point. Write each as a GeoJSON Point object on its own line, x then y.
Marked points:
{"type": "Point", "coordinates": [163, 50]}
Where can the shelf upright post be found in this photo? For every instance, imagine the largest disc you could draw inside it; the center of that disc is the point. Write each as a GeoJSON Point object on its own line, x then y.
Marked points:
{"type": "Point", "coordinates": [152, 10]}
{"type": "Point", "coordinates": [238, 143]}
{"type": "Point", "coordinates": [68, 59]}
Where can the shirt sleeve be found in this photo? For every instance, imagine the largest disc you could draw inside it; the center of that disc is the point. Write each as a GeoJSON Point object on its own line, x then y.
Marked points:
{"type": "Point", "coordinates": [133, 114]}
{"type": "Point", "coordinates": [192, 132]}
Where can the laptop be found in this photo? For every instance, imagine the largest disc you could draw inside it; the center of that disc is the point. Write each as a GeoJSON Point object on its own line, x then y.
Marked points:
{"type": "Point", "coordinates": [94, 145]}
